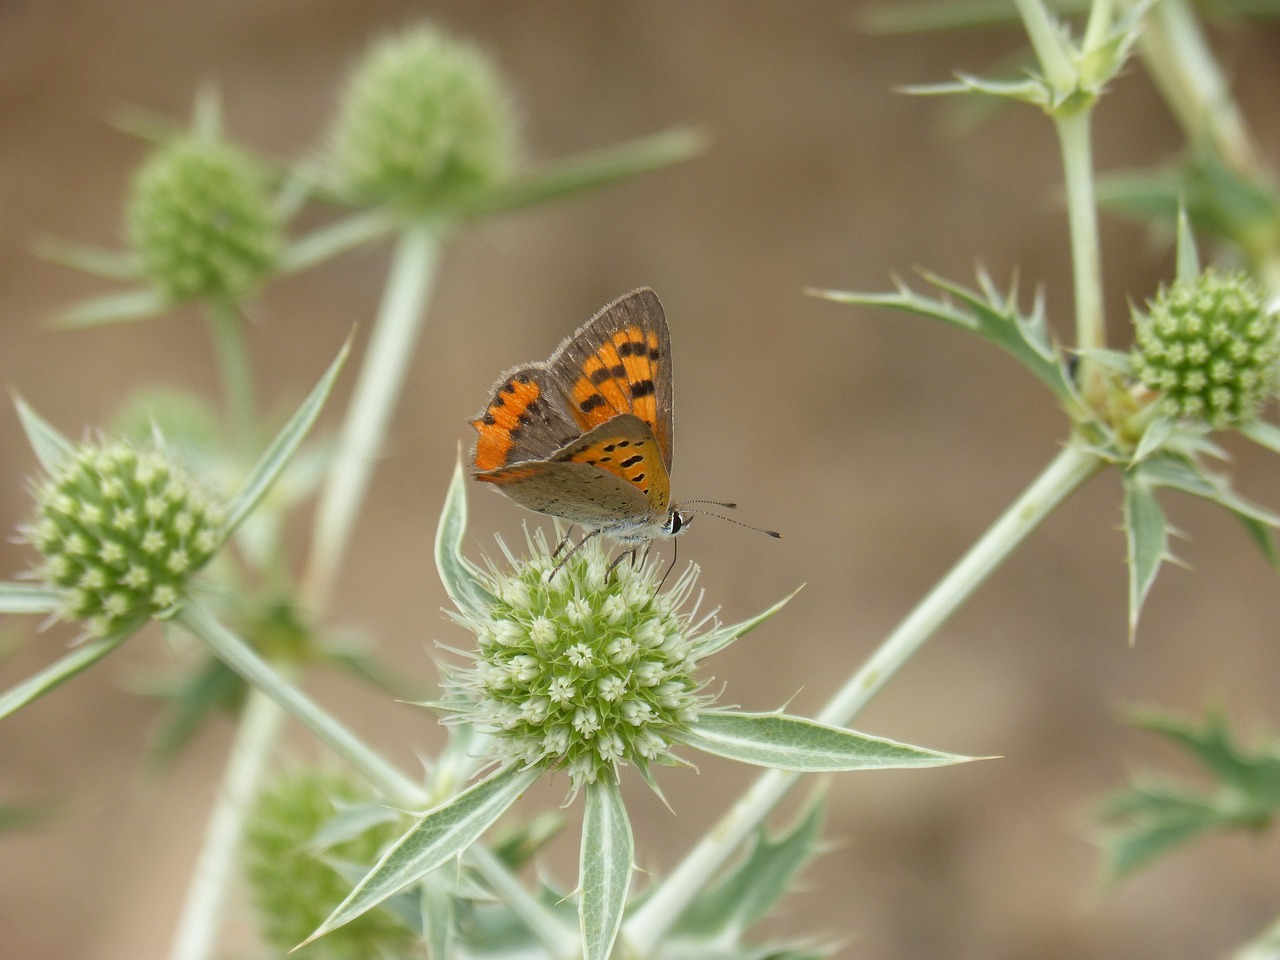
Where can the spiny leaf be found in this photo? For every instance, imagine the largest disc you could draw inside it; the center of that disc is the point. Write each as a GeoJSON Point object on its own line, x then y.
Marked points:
{"type": "Point", "coordinates": [785, 742]}
{"type": "Point", "coordinates": [1264, 434]}
{"type": "Point", "coordinates": [1153, 817]}
{"type": "Point", "coordinates": [439, 835]}
{"type": "Point", "coordinates": [124, 307]}
{"type": "Point", "coordinates": [988, 313]}
{"type": "Point", "coordinates": [588, 171]}
{"type": "Point", "coordinates": [25, 598]}
{"type": "Point", "coordinates": [752, 888]}
{"type": "Point", "coordinates": [1147, 534]}
{"type": "Point", "coordinates": [716, 640]}
{"type": "Point", "coordinates": [78, 660]}
{"type": "Point", "coordinates": [282, 448]}
{"type": "Point", "coordinates": [51, 447]}
{"type": "Point", "coordinates": [605, 865]}
{"type": "Point", "coordinates": [460, 577]}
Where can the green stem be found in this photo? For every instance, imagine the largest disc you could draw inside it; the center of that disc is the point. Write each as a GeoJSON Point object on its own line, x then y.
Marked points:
{"type": "Point", "coordinates": [226, 327]}
{"type": "Point", "coordinates": [240, 657]}
{"type": "Point", "coordinates": [382, 376]}
{"type": "Point", "coordinates": [1182, 65]}
{"type": "Point", "coordinates": [1064, 475]}
{"type": "Point", "coordinates": [258, 731]}
{"type": "Point", "coordinates": [647, 926]}
{"type": "Point", "coordinates": [1184, 69]}
{"type": "Point", "coordinates": [1082, 211]}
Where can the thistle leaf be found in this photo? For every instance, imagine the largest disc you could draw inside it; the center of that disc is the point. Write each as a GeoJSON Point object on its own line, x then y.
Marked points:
{"type": "Point", "coordinates": [990, 314]}
{"type": "Point", "coordinates": [437, 837]}
{"type": "Point", "coordinates": [605, 866]}
{"type": "Point", "coordinates": [1147, 533]}
{"type": "Point", "coordinates": [51, 447]}
{"type": "Point", "coordinates": [283, 447]}
{"type": "Point", "coordinates": [785, 742]}
{"type": "Point", "coordinates": [749, 891]}
{"type": "Point", "coordinates": [78, 660]}
{"type": "Point", "coordinates": [716, 640]}
{"type": "Point", "coordinates": [1154, 817]}
{"type": "Point", "coordinates": [460, 577]}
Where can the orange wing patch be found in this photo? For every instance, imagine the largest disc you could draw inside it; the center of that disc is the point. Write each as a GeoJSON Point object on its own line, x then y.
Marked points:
{"type": "Point", "coordinates": [619, 378]}
{"type": "Point", "coordinates": [501, 423]}
{"type": "Point", "coordinates": [639, 462]}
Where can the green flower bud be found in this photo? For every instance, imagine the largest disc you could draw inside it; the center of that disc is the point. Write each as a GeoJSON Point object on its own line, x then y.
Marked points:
{"type": "Point", "coordinates": [424, 122]}
{"type": "Point", "coordinates": [586, 669]}
{"type": "Point", "coordinates": [294, 885]}
{"type": "Point", "coordinates": [201, 222]}
{"type": "Point", "coordinates": [121, 532]}
{"type": "Point", "coordinates": [1209, 347]}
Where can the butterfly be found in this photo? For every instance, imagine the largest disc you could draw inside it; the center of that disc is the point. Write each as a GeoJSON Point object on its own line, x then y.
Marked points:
{"type": "Point", "coordinates": [586, 435]}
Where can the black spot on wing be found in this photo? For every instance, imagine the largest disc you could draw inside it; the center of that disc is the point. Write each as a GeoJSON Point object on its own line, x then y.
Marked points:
{"type": "Point", "coordinates": [642, 388]}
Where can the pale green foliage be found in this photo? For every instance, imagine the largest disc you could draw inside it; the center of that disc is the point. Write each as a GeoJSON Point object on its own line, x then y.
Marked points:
{"type": "Point", "coordinates": [1156, 815]}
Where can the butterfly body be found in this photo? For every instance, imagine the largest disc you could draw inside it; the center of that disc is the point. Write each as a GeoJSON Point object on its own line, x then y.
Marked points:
{"type": "Point", "coordinates": [586, 435]}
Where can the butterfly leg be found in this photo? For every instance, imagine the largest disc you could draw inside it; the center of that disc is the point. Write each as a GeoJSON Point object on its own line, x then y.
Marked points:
{"type": "Point", "coordinates": [568, 535]}
{"type": "Point", "coordinates": [571, 551]}
{"type": "Point", "coordinates": [632, 553]}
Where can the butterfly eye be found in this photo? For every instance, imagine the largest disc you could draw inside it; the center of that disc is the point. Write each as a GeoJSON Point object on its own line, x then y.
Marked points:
{"type": "Point", "coordinates": [677, 520]}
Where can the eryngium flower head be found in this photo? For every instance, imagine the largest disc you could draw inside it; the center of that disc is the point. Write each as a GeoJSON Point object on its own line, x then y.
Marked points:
{"type": "Point", "coordinates": [1209, 346]}
{"type": "Point", "coordinates": [424, 121]}
{"type": "Point", "coordinates": [201, 222]}
{"type": "Point", "coordinates": [294, 884]}
{"type": "Point", "coordinates": [585, 669]}
{"type": "Point", "coordinates": [121, 531]}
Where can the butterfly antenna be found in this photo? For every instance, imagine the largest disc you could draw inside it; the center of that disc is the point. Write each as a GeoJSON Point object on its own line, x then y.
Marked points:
{"type": "Point", "coordinates": [730, 506]}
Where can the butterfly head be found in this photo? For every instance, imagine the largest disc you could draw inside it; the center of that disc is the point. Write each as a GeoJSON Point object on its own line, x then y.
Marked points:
{"type": "Point", "coordinates": [677, 522]}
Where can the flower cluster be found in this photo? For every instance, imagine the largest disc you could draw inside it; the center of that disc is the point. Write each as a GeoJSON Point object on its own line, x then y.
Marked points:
{"type": "Point", "coordinates": [201, 223]}
{"type": "Point", "coordinates": [424, 121]}
{"type": "Point", "coordinates": [584, 667]}
{"type": "Point", "coordinates": [121, 531]}
{"type": "Point", "coordinates": [1209, 346]}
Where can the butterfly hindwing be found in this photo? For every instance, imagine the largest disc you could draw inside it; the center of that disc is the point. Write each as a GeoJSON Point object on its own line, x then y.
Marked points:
{"type": "Point", "coordinates": [625, 447]}
{"type": "Point", "coordinates": [578, 492]}
{"type": "Point", "coordinates": [619, 362]}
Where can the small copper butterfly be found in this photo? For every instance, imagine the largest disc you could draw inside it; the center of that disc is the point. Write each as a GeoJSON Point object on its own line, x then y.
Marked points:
{"type": "Point", "coordinates": [586, 435]}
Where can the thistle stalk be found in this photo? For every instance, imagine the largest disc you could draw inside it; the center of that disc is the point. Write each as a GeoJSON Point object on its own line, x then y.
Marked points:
{"type": "Point", "coordinates": [1065, 474]}
{"type": "Point", "coordinates": [255, 740]}
{"type": "Point", "coordinates": [391, 349]}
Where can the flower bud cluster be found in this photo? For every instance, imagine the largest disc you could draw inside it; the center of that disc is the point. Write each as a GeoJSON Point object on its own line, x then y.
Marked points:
{"type": "Point", "coordinates": [121, 532]}
{"type": "Point", "coordinates": [425, 121]}
{"type": "Point", "coordinates": [586, 668]}
{"type": "Point", "coordinates": [1209, 346]}
{"type": "Point", "coordinates": [201, 222]}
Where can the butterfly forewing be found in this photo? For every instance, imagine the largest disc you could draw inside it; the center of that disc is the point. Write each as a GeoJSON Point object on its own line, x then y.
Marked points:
{"type": "Point", "coordinates": [619, 362]}
{"type": "Point", "coordinates": [522, 421]}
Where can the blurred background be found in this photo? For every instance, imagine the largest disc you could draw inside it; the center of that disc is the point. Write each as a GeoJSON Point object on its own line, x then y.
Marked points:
{"type": "Point", "coordinates": [880, 445]}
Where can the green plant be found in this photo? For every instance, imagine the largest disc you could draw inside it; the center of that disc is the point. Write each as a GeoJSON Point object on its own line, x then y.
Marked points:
{"type": "Point", "coordinates": [596, 669]}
